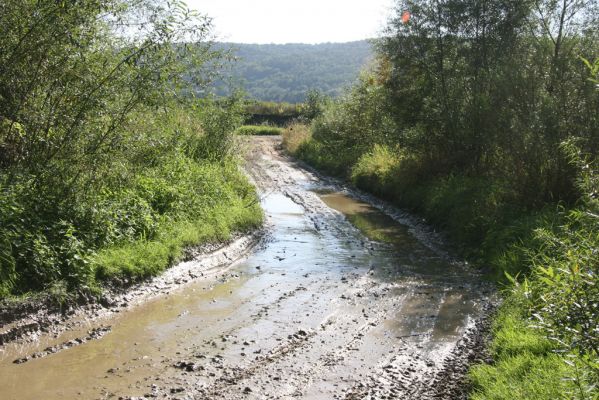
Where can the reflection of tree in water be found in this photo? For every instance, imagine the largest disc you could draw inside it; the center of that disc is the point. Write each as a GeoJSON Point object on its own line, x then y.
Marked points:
{"type": "Point", "coordinates": [377, 226]}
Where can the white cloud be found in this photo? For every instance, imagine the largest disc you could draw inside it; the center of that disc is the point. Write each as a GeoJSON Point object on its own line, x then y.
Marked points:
{"type": "Point", "coordinates": [285, 21]}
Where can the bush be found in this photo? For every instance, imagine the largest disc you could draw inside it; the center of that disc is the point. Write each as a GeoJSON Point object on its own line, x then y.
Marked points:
{"type": "Point", "coordinates": [565, 281]}
{"type": "Point", "coordinates": [374, 171]}
{"type": "Point", "coordinates": [168, 188]}
{"type": "Point", "coordinates": [102, 148]}
{"type": "Point", "coordinates": [141, 259]}
{"type": "Point", "coordinates": [316, 154]}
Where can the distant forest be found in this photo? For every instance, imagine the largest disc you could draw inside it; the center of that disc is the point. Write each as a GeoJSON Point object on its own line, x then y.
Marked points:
{"type": "Point", "coordinates": [285, 72]}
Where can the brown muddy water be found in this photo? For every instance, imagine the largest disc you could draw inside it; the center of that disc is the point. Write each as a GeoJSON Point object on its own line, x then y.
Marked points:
{"type": "Point", "coordinates": [313, 312]}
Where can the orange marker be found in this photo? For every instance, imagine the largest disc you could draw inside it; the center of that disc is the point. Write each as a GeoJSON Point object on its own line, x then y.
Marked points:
{"type": "Point", "coordinates": [405, 17]}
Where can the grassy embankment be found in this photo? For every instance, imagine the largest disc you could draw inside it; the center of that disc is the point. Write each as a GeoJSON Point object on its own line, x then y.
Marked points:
{"type": "Point", "coordinates": [503, 239]}
{"type": "Point", "coordinates": [193, 202]}
{"type": "Point", "coordinates": [163, 193]}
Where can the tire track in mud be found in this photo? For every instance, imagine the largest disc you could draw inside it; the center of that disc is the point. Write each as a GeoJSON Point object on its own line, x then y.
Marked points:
{"type": "Point", "coordinates": [407, 374]}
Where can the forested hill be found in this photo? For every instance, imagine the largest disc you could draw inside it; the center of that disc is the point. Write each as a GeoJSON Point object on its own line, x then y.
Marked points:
{"type": "Point", "coordinates": [285, 72]}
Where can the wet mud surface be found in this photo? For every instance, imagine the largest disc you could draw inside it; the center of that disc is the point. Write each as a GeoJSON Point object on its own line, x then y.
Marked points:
{"type": "Point", "coordinates": [343, 298]}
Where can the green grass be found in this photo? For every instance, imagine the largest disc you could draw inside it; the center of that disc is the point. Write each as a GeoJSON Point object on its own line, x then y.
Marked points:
{"type": "Point", "coordinates": [259, 130]}
{"type": "Point", "coordinates": [211, 201]}
{"type": "Point", "coordinates": [146, 258]}
{"type": "Point", "coordinates": [525, 366]}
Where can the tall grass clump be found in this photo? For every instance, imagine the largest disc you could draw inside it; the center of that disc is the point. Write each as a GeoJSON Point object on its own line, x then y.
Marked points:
{"type": "Point", "coordinates": [258, 130]}
{"type": "Point", "coordinates": [294, 136]}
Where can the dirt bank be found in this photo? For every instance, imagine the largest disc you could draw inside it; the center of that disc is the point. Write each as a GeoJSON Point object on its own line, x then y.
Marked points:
{"type": "Point", "coordinates": [28, 320]}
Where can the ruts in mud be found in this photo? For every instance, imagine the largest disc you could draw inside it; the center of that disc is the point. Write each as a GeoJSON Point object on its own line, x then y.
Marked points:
{"type": "Point", "coordinates": [347, 301]}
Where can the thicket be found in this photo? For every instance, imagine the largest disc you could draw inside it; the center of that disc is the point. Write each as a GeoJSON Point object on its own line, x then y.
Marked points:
{"type": "Point", "coordinates": [481, 117]}
{"type": "Point", "coordinates": [106, 170]}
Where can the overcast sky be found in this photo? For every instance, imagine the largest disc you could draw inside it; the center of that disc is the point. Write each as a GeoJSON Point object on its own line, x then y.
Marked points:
{"type": "Point", "coordinates": [295, 21]}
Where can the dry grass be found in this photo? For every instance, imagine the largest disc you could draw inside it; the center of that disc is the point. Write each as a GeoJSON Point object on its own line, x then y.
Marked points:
{"type": "Point", "coordinates": [295, 135]}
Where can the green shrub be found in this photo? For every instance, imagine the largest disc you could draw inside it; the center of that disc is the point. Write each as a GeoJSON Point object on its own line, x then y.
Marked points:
{"type": "Point", "coordinates": [565, 289]}
{"type": "Point", "coordinates": [374, 171]}
{"type": "Point", "coordinates": [145, 258]}
{"type": "Point", "coordinates": [545, 337]}
{"type": "Point", "coordinates": [8, 273]}
{"type": "Point", "coordinates": [166, 189]}
{"type": "Point", "coordinates": [209, 201]}
{"type": "Point", "coordinates": [316, 154]}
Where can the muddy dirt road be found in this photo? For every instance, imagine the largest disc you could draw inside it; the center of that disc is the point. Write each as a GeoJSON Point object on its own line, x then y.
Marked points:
{"type": "Point", "coordinates": [340, 300]}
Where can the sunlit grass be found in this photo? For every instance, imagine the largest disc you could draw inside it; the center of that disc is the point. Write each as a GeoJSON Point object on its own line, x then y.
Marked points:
{"type": "Point", "coordinates": [146, 258]}
{"type": "Point", "coordinates": [258, 130]}
{"type": "Point", "coordinates": [525, 366]}
{"type": "Point", "coordinates": [294, 136]}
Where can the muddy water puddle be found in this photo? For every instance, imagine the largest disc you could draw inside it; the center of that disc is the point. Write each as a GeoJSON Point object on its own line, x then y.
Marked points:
{"type": "Point", "coordinates": [310, 313]}
{"type": "Point", "coordinates": [369, 220]}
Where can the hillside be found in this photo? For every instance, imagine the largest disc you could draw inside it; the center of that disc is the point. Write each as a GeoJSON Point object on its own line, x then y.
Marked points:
{"type": "Point", "coordinates": [285, 72]}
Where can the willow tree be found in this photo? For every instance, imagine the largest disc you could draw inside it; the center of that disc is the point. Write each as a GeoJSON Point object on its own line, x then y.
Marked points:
{"type": "Point", "coordinates": [71, 73]}
{"type": "Point", "coordinates": [496, 86]}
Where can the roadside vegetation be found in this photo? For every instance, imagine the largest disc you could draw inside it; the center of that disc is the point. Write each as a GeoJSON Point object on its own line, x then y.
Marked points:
{"type": "Point", "coordinates": [250, 130]}
{"type": "Point", "coordinates": [483, 119]}
{"type": "Point", "coordinates": [271, 113]}
{"type": "Point", "coordinates": [107, 171]}
{"type": "Point", "coordinates": [283, 114]}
